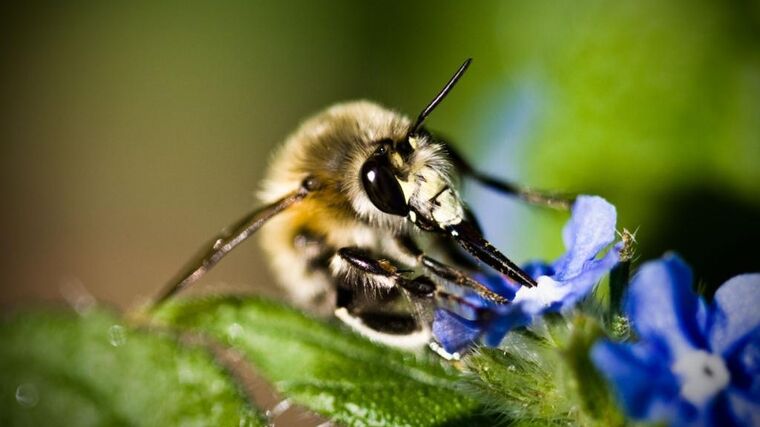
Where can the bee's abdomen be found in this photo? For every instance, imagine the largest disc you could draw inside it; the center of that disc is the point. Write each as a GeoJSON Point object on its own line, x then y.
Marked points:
{"type": "Point", "coordinates": [314, 248]}
{"type": "Point", "coordinates": [295, 253]}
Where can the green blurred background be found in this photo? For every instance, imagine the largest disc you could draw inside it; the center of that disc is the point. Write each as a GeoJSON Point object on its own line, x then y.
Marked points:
{"type": "Point", "coordinates": [133, 131]}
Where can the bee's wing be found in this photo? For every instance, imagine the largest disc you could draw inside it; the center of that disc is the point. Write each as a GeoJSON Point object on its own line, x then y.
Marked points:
{"type": "Point", "coordinates": [212, 252]}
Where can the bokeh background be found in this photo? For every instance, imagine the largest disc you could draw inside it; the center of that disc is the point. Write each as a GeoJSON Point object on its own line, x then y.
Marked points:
{"type": "Point", "coordinates": [133, 131]}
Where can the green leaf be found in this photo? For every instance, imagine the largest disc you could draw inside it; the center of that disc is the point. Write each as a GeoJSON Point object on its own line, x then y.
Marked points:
{"type": "Point", "coordinates": [331, 370]}
{"type": "Point", "coordinates": [546, 377]}
{"type": "Point", "coordinates": [520, 381]}
{"type": "Point", "coordinates": [63, 369]}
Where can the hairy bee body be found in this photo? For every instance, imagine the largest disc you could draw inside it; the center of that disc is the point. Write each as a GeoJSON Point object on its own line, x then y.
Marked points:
{"type": "Point", "coordinates": [331, 147]}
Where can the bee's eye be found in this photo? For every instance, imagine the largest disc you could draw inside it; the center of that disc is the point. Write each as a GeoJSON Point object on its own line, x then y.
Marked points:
{"type": "Point", "coordinates": [383, 188]}
{"type": "Point", "coordinates": [383, 146]}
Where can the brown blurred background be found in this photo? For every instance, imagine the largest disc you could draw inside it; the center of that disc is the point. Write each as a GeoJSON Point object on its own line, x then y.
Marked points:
{"type": "Point", "coordinates": [133, 131]}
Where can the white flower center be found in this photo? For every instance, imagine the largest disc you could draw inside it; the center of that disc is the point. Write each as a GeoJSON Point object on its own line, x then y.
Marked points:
{"type": "Point", "coordinates": [546, 292]}
{"type": "Point", "coordinates": [702, 375]}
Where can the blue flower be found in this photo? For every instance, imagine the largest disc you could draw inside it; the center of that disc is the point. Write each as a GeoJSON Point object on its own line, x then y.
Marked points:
{"type": "Point", "coordinates": [561, 284]}
{"type": "Point", "coordinates": [693, 364]}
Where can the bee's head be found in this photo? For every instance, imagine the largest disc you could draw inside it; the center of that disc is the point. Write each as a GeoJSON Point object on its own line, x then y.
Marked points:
{"type": "Point", "coordinates": [410, 176]}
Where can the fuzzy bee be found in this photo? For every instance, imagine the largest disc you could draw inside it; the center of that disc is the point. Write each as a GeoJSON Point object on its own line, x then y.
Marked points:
{"type": "Point", "coordinates": [346, 202]}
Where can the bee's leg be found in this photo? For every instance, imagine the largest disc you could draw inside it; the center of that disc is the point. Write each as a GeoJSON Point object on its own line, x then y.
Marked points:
{"type": "Point", "coordinates": [378, 317]}
{"type": "Point", "coordinates": [446, 272]}
{"type": "Point", "coordinates": [374, 299]}
{"type": "Point", "coordinates": [529, 195]}
{"type": "Point", "coordinates": [460, 278]}
{"type": "Point", "coordinates": [358, 266]}
{"type": "Point", "coordinates": [230, 237]}
{"type": "Point", "coordinates": [462, 307]}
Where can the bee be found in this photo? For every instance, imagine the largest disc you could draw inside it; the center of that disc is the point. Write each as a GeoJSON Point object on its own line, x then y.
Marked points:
{"type": "Point", "coordinates": [347, 200]}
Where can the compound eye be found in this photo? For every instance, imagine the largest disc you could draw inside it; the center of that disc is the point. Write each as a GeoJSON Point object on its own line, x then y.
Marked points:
{"type": "Point", "coordinates": [383, 188]}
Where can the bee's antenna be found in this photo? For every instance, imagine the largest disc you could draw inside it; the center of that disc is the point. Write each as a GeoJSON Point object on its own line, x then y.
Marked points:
{"type": "Point", "coordinates": [438, 98]}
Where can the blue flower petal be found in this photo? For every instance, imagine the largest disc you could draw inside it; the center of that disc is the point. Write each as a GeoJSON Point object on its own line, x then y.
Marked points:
{"type": "Point", "coordinates": [538, 268]}
{"type": "Point", "coordinates": [744, 364]}
{"type": "Point", "coordinates": [703, 315]}
{"type": "Point", "coordinates": [507, 317]}
{"type": "Point", "coordinates": [717, 413]}
{"type": "Point", "coordinates": [736, 312]}
{"type": "Point", "coordinates": [454, 333]}
{"type": "Point", "coordinates": [661, 304]}
{"type": "Point", "coordinates": [582, 285]}
{"type": "Point", "coordinates": [745, 408]}
{"type": "Point", "coordinates": [590, 229]}
{"type": "Point", "coordinates": [674, 327]}
{"type": "Point", "coordinates": [644, 385]}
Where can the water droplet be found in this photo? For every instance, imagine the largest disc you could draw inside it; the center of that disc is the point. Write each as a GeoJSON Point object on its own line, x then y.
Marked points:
{"type": "Point", "coordinates": [511, 368]}
{"type": "Point", "coordinates": [235, 331]}
{"type": "Point", "coordinates": [117, 335]}
{"type": "Point", "coordinates": [27, 395]}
